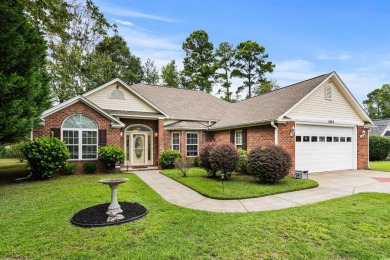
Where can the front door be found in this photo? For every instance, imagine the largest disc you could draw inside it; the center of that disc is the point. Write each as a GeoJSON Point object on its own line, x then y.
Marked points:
{"type": "Point", "coordinates": [139, 149]}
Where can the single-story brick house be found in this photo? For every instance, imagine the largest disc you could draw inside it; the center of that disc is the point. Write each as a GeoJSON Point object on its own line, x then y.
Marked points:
{"type": "Point", "coordinates": [318, 121]}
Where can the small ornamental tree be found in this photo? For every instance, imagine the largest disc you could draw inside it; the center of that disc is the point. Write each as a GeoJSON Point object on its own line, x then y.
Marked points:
{"type": "Point", "coordinates": [269, 163]}
{"type": "Point", "coordinates": [206, 159]}
{"type": "Point", "coordinates": [15, 151]}
{"type": "Point", "coordinates": [110, 155]}
{"type": "Point", "coordinates": [379, 148]}
{"type": "Point", "coordinates": [167, 158]}
{"type": "Point", "coordinates": [225, 158]}
{"type": "Point", "coordinates": [45, 156]}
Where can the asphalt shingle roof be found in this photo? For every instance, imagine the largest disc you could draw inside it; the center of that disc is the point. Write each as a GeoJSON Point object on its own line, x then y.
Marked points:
{"type": "Point", "coordinates": [381, 125]}
{"type": "Point", "coordinates": [198, 105]}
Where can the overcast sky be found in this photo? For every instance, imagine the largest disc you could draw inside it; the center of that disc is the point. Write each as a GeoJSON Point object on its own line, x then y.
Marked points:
{"type": "Point", "coordinates": [303, 38]}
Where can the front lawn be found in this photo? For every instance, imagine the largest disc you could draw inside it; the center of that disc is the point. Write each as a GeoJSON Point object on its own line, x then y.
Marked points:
{"type": "Point", "coordinates": [35, 225]}
{"type": "Point", "coordinates": [237, 187]}
{"type": "Point", "coordinates": [380, 166]}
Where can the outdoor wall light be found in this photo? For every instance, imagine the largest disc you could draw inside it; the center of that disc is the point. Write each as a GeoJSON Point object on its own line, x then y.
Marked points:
{"type": "Point", "coordinates": [292, 132]}
{"type": "Point", "coordinates": [121, 133]}
{"type": "Point", "coordinates": [363, 134]}
{"type": "Point", "coordinates": [155, 134]}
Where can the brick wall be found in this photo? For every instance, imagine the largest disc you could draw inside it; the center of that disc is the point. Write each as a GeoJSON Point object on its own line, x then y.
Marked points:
{"type": "Point", "coordinates": [260, 135]}
{"type": "Point", "coordinates": [168, 139]}
{"type": "Point", "coordinates": [362, 148]}
{"type": "Point", "coordinates": [287, 142]}
{"type": "Point", "coordinates": [55, 120]}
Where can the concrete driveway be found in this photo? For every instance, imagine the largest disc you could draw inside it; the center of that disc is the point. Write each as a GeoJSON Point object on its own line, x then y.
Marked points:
{"type": "Point", "coordinates": [331, 185]}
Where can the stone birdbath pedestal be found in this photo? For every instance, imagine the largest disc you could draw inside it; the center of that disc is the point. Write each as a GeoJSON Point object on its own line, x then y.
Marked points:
{"type": "Point", "coordinates": [114, 209]}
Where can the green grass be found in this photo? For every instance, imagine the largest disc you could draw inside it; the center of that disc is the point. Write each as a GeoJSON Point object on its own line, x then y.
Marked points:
{"type": "Point", "coordinates": [237, 187]}
{"type": "Point", "coordinates": [35, 225]}
{"type": "Point", "coordinates": [380, 166]}
{"type": "Point", "coordinates": [11, 169]}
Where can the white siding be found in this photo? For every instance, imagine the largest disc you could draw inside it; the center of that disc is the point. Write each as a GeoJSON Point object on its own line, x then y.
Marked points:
{"type": "Point", "coordinates": [130, 103]}
{"type": "Point", "coordinates": [317, 107]}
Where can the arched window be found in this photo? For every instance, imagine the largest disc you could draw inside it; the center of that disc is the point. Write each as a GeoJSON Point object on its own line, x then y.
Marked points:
{"type": "Point", "coordinates": [118, 94]}
{"type": "Point", "coordinates": [79, 132]}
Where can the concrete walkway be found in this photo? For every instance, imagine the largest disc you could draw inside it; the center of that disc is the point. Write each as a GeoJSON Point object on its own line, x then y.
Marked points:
{"type": "Point", "coordinates": [331, 185]}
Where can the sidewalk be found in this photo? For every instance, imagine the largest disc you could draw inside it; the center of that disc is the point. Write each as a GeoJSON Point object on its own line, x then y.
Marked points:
{"type": "Point", "coordinates": [331, 185]}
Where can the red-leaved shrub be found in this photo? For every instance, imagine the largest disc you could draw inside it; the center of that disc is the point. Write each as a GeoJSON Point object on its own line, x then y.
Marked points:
{"type": "Point", "coordinates": [225, 157]}
{"type": "Point", "coordinates": [269, 163]}
{"type": "Point", "coordinates": [205, 159]}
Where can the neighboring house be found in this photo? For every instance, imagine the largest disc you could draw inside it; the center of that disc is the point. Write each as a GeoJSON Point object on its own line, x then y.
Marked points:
{"type": "Point", "coordinates": [318, 121]}
{"type": "Point", "coordinates": [382, 127]}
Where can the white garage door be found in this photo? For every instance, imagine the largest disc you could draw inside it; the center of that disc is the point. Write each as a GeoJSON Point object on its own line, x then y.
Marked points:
{"type": "Point", "coordinates": [324, 148]}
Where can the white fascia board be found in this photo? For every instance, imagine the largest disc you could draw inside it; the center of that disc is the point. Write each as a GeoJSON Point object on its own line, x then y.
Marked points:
{"type": "Point", "coordinates": [326, 121]}
{"type": "Point", "coordinates": [186, 128]}
{"type": "Point", "coordinates": [129, 89]}
{"type": "Point", "coordinates": [248, 124]}
{"type": "Point", "coordinates": [194, 119]}
{"type": "Point", "coordinates": [60, 106]}
{"type": "Point", "coordinates": [137, 116]}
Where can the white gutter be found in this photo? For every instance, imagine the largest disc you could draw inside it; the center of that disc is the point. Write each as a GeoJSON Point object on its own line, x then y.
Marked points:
{"type": "Point", "coordinates": [276, 132]}
{"type": "Point", "coordinates": [368, 148]}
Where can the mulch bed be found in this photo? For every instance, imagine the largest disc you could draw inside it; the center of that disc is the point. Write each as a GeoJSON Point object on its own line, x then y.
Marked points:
{"type": "Point", "coordinates": [96, 216]}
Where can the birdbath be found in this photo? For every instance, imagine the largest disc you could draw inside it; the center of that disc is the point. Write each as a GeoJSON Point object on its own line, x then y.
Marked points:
{"type": "Point", "coordinates": [114, 209]}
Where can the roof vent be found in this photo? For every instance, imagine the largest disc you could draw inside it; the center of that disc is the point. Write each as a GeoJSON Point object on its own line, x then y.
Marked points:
{"type": "Point", "coordinates": [117, 94]}
{"type": "Point", "coordinates": [328, 91]}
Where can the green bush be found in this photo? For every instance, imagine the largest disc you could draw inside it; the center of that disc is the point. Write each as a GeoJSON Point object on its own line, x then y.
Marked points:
{"type": "Point", "coordinates": [167, 158]}
{"type": "Point", "coordinates": [89, 167]}
{"type": "Point", "coordinates": [110, 155]}
{"type": "Point", "coordinates": [225, 158]}
{"type": "Point", "coordinates": [205, 158]}
{"type": "Point", "coordinates": [3, 151]}
{"type": "Point", "coordinates": [379, 148]}
{"type": "Point", "coordinates": [15, 151]}
{"type": "Point", "coordinates": [69, 169]}
{"type": "Point", "coordinates": [45, 156]}
{"type": "Point", "coordinates": [242, 161]}
{"type": "Point", "coordinates": [269, 163]}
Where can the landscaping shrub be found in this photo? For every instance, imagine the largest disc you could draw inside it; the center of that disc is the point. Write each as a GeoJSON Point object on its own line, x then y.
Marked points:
{"type": "Point", "coordinates": [89, 167]}
{"type": "Point", "coordinates": [206, 159]}
{"type": "Point", "coordinates": [225, 158]}
{"type": "Point", "coordinates": [3, 151]}
{"type": "Point", "coordinates": [110, 155]}
{"type": "Point", "coordinates": [69, 169]}
{"type": "Point", "coordinates": [242, 161]}
{"type": "Point", "coordinates": [15, 151]}
{"type": "Point", "coordinates": [167, 158]}
{"type": "Point", "coordinates": [379, 148]}
{"type": "Point", "coordinates": [45, 156]}
{"type": "Point", "coordinates": [269, 163]}
{"type": "Point", "coordinates": [182, 165]}
{"type": "Point", "coordinates": [193, 161]}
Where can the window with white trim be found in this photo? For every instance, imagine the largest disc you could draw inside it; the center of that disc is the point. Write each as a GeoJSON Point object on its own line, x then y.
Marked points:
{"type": "Point", "coordinates": [79, 132]}
{"type": "Point", "coordinates": [176, 141]}
{"type": "Point", "coordinates": [328, 91]}
{"type": "Point", "coordinates": [238, 139]}
{"type": "Point", "coordinates": [192, 144]}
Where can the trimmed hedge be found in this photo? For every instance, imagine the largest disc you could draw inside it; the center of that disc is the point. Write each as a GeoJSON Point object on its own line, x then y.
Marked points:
{"type": "Point", "coordinates": [242, 161]}
{"type": "Point", "coordinates": [205, 158]}
{"type": "Point", "coordinates": [167, 158]}
{"type": "Point", "coordinates": [45, 156]}
{"type": "Point", "coordinates": [225, 158]}
{"type": "Point", "coordinates": [379, 148]}
{"type": "Point", "coordinates": [269, 163]}
{"type": "Point", "coordinates": [110, 155]}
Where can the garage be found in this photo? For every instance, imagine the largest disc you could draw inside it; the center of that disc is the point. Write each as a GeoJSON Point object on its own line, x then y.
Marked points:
{"type": "Point", "coordinates": [324, 148]}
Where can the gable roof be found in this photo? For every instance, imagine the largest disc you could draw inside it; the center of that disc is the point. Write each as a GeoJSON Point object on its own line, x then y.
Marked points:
{"type": "Point", "coordinates": [193, 125]}
{"type": "Point", "coordinates": [115, 122]}
{"type": "Point", "coordinates": [183, 103]}
{"type": "Point", "coordinates": [381, 125]}
{"type": "Point", "coordinates": [270, 106]}
{"type": "Point", "coordinates": [117, 80]}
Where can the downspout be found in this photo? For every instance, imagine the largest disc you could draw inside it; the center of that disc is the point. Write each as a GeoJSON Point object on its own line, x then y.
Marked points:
{"type": "Point", "coordinates": [276, 132]}
{"type": "Point", "coordinates": [368, 148]}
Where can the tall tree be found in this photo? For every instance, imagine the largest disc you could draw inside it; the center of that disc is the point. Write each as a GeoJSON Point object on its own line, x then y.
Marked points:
{"type": "Point", "coordinates": [198, 62]}
{"type": "Point", "coordinates": [111, 59]}
{"type": "Point", "coordinates": [251, 65]}
{"type": "Point", "coordinates": [24, 88]}
{"type": "Point", "coordinates": [377, 104]}
{"type": "Point", "coordinates": [69, 50]}
{"type": "Point", "coordinates": [265, 87]}
{"type": "Point", "coordinates": [224, 55]}
{"type": "Point", "coordinates": [150, 72]}
{"type": "Point", "coordinates": [170, 75]}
